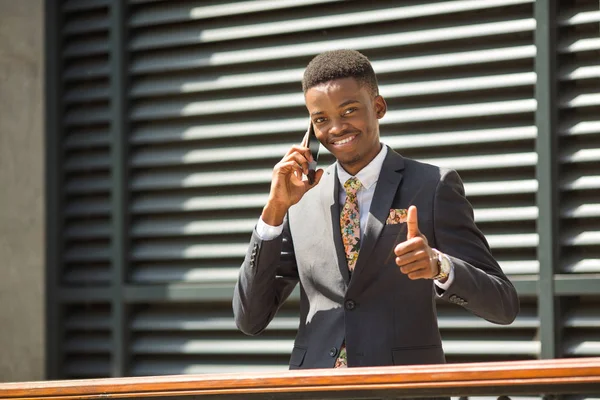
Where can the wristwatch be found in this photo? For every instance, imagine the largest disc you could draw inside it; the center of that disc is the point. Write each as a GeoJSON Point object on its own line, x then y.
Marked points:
{"type": "Point", "coordinates": [444, 265]}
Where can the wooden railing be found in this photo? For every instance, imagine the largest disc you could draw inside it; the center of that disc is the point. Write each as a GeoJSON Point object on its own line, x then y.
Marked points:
{"type": "Point", "coordinates": [565, 376]}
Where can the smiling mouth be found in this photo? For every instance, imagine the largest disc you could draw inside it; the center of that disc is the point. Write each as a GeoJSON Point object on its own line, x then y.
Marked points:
{"type": "Point", "coordinates": [345, 141]}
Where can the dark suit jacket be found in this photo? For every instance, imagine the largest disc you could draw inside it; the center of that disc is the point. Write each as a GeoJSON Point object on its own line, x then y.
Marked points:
{"type": "Point", "coordinates": [384, 317]}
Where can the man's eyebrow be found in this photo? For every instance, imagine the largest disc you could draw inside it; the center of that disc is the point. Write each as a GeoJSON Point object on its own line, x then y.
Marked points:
{"type": "Point", "coordinates": [344, 104]}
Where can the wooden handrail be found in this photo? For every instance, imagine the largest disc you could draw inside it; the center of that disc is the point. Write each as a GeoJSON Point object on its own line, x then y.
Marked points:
{"type": "Point", "coordinates": [562, 376]}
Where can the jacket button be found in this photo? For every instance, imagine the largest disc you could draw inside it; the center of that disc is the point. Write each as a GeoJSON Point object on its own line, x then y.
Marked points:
{"type": "Point", "coordinates": [350, 304]}
{"type": "Point", "coordinates": [333, 352]}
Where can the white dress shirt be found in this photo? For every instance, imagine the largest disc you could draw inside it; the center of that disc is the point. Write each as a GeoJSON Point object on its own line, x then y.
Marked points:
{"type": "Point", "coordinates": [368, 177]}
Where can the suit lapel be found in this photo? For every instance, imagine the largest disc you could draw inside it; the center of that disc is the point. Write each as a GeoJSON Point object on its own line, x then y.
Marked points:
{"type": "Point", "coordinates": [331, 209]}
{"type": "Point", "coordinates": [387, 185]}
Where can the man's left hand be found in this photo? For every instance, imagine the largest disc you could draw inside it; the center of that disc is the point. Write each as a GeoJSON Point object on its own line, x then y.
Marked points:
{"type": "Point", "coordinates": [414, 256]}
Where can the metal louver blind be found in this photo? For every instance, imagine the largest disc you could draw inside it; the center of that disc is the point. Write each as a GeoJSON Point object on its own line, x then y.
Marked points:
{"type": "Point", "coordinates": [155, 200]}
{"type": "Point", "coordinates": [216, 101]}
{"type": "Point", "coordinates": [579, 73]}
{"type": "Point", "coordinates": [85, 238]}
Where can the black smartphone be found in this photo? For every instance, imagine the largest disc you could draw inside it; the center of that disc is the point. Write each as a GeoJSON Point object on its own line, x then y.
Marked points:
{"type": "Point", "coordinates": [313, 145]}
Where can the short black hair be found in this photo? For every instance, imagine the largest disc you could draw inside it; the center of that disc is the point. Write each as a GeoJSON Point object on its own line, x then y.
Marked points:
{"type": "Point", "coordinates": [339, 64]}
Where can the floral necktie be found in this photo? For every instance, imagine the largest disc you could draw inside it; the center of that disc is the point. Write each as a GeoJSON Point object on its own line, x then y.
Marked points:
{"type": "Point", "coordinates": [350, 226]}
{"type": "Point", "coordinates": [350, 222]}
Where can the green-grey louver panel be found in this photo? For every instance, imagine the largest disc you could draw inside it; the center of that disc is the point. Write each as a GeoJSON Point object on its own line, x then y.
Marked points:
{"type": "Point", "coordinates": [579, 55]}
{"type": "Point", "coordinates": [216, 101]}
{"type": "Point", "coordinates": [85, 328]}
{"type": "Point", "coordinates": [86, 143]}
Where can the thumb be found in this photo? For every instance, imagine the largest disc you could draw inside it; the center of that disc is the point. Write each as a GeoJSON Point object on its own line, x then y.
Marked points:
{"type": "Point", "coordinates": [412, 223]}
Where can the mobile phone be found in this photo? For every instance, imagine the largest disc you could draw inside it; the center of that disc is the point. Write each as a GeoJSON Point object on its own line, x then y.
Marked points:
{"type": "Point", "coordinates": [313, 145]}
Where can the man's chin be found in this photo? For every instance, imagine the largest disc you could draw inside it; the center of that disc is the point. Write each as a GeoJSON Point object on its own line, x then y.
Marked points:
{"type": "Point", "coordinates": [349, 159]}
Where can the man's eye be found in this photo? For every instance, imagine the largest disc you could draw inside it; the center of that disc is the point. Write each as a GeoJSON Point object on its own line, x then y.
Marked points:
{"type": "Point", "coordinates": [319, 120]}
{"type": "Point", "coordinates": [349, 110]}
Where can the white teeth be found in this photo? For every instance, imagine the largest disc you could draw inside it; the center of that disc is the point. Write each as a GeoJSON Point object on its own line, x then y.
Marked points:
{"type": "Point", "coordinates": [347, 140]}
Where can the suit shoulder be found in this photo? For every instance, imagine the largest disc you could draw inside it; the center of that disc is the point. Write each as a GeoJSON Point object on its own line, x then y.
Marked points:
{"type": "Point", "coordinates": [426, 171]}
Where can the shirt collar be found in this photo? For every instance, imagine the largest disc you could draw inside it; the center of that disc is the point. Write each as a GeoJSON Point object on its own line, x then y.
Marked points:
{"type": "Point", "coordinates": [369, 174]}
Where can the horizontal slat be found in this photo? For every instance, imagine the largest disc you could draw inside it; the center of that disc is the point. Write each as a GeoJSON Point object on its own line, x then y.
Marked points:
{"type": "Point", "coordinates": [174, 180]}
{"type": "Point", "coordinates": [195, 59]}
{"type": "Point", "coordinates": [205, 366]}
{"type": "Point", "coordinates": [183, 108]}
{"type": "Point", "coordinates": [480, 162]}
{"type": "Point", "coordinates": [579, 45]}
{"type": "Point", "coordinates": [87, 139]}
{"type": "Point", "coordinates": [521, 267]}
{"type": "Point", "coordinates": [506, 214]}
{"type": "Point", "coordinates": [516, 240]}
{"type": "Point", "coordinates": [192, 34]}
{"type": "Point", "coordinates": [156, 86]}
{"type": "Point", "coordinates": [216, 345]}
{"type": "Point", "coordinates": [582, 210]}
{"type": "Point", "coordinates": [579, 18]}
{"type": "Point", "coordinates": [501, 187]}
{"type": "Point", "coordinates": [584, 182]}
{"type": "Point", "coordinates": [580, 127]}
{"type": "Point", "coordinates": [193, 251]}
{"type": "Point", "coordinates": [88, 320]}
{"type": "Point", "coordinates": [189, 292]}
{"type": "Point", "coordinates": [580, 99]}
{"type": "Point", "coordinates": [522, 347]}
{"type": "Point", "coordinates": [580, 265]}
{"type": "Point", "coordinates": [87, 252]}
{"type": "Point", "coordinates": [280, 346]}
{"type": "Point", "coordinates": [96, 114]}
{"type": "Point", "coordinates": [87, 367]}
{"type": "Point", "coordinates": [175, 320]}
{"type": "Point", "coordinates": [93, 68]}
{"type": "Point", "coordinates": [584, 316]}
{"type": "Point", "coordinates": [88, 185]}
{"type": "Point", "coordinates": [173, 226]}
{"type": "Point", "coordinates": [169, 14]}
{"type": "Point", "coordinates": [86, 229]}
{"type": "Point", "coordinates": [87, 23]}
{"type": "Point", "coordinates": [90, 92]}
{"type": "Point", "coordinates": [87, 161]}
{"type": "Point", "coordinates": [165, 203]}
{"type": "Point", "coordinates": [580, 155]}
{"type": "Point", "coordinates": [180, 133]}
{"type": "Point", "coordinates": [165, 273]}
{"type": "Point", "coordinates": [83, 5]}
{"type": "Point", "coordinates": [90, 207]}
{"type": "Point", "coordinates": [581, 238]}
{"type": "Point", "coordinates": [580, 72]}
{"type": "Point", "coordinates": [583, 345]}
{"type": "Point", "coordinates": [172, 273]}
{"type": "Point", "coordinates": [86, 47]}
{"type": "Point", "coordinates": [88, 343]}
{"type": "Point", "coordinates": [87, 274]}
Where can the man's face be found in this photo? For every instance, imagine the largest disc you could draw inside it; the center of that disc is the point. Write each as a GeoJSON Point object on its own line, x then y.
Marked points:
{"type": "Point", "coordinates": [345, 116]}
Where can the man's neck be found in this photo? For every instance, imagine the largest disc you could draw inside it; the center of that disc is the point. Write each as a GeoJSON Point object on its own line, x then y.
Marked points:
{"type": "Point", "coordinates": [355, 169]}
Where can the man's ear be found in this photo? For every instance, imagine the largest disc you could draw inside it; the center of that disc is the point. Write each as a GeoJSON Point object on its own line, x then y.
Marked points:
{"type": "Point", "coordinates": [380, 106]}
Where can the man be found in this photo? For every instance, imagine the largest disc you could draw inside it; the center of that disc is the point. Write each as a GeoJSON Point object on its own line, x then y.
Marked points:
{"type": "Point", "coordinates": [373, 241]}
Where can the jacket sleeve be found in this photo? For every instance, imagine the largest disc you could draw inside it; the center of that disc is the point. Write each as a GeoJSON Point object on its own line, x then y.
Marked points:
{"type": "Point", "coordinates": [267, 277]}
{"type": "Point", "coordinates": [479, 284]}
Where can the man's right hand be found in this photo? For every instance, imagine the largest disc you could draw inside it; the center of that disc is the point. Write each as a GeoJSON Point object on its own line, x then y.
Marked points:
{"type": "Point", "coordinates": [287, 185]}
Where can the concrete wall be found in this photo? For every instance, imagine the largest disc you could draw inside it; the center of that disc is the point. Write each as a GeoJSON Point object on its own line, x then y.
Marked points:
{"type": "Point", "coordinates": [21, 190]}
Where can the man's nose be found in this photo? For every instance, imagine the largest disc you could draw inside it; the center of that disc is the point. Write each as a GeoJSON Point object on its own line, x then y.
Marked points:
{"type": "Point", "coordinates": [337, 127]}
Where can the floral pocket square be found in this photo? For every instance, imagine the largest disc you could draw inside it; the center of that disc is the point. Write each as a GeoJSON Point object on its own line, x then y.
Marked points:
{"type": "Point", "coordinates": [397, 216]}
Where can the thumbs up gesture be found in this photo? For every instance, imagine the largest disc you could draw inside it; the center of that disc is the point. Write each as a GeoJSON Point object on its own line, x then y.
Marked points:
{"type": "Point", "coordinates": [414, 256]}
